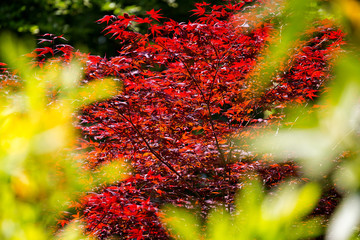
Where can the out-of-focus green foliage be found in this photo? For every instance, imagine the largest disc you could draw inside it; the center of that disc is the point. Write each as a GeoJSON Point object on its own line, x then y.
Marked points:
{"type": "Point", "coordinates": [38, 175]}
{"type": "Point", "coordinates": [326, 143]}
{"type": "Point", "coordinates": [275, 216]}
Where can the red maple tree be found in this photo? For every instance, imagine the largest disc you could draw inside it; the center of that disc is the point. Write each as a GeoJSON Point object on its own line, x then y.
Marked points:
{"type": "Point", "coordinates": [187, 104]}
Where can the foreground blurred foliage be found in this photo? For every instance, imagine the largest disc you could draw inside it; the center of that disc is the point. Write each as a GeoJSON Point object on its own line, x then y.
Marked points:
{"type": "Point", "coordinates": [275, 216]}
{"type": "Point", "coordinates": [38, 176]}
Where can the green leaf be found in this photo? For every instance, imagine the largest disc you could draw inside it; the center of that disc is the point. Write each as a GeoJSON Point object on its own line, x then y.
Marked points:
{"type": "Point", "coordinates": [182, 224]}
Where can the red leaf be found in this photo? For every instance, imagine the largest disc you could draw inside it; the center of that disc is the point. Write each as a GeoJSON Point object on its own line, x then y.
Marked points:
{"type": "Point", "coordinates": [154, 14]}
{"type": "Point", "coordinates": [199, 11]}
{"type": "Point", "coordinates": [44, 51]}
{"type": "Point", "coordinates": [106, 19]}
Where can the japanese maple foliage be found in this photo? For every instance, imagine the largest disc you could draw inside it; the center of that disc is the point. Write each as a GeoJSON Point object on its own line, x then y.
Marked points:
{"type": "Point", "coordinates": [186, 107]}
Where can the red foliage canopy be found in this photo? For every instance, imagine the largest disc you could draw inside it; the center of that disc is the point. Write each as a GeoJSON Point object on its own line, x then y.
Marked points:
{"type": "Point", "coordinates": [187, 103]}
